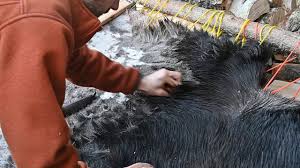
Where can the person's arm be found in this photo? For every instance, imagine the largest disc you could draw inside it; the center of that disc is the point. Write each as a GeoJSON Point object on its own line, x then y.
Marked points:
{"type": "Point", "coordinates": [91, 68]}
{"type": "Point", "coordinates": [33, 56]}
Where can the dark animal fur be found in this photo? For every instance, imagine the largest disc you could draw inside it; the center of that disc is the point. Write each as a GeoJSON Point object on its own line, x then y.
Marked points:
{"type": "Point", "coordinates": [223, 120]}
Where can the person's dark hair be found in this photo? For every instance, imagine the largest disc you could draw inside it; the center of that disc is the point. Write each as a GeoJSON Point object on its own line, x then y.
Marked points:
{"type": "Point", "coordinates": [93, 8]}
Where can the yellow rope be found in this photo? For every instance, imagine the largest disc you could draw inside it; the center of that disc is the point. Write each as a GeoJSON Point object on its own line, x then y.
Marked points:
{"type": "Point", "coordinates": [181, 9]}
{"type": "Point", "coordinates": [161, 8]}
{"type": "Point", "coordinates": [208, 22]}
{"type": "Point", "coordinates": [157, 4]}
{"type": "Point", "coordinates": [219, 32]}
{"type": "Point", "coordinates": [192, 25]}
{"type": "Point", "coordinates": [145, 2]}
{"type": "Point", "coordinates": [244, 40]}
{"type": "Point", "coordinates": [246, 22]}
{"type": "Point", "coordinates": [213, 30]}
{"type": "Point", "coordinates": [218, 22]}
{"type": "Point", "coordinates": [146, 9]}
{"type": "Point", "coordinates": [189, 11]}
{"type": "Point", "coordinates": [263, 38]}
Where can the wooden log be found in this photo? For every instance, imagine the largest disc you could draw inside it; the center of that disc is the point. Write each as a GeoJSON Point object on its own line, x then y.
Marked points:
{"type": "Point", "coordinates": [290, 5]}
{"type": "Point", "coordinates": [226, 4]}
{"type": "Point", "coordinates": [276, 16]}
{"type": "Point", "coordinates": [161, 16]}
{"type": "Point", "coordinates": [112, 14]}
{"type": "Point", "coordinates": [279, 38]}
{"type": "Point", "coordinates": [249, 9]}
{"type": "Point", "coordinates": [275, 3]}
{"type": "Point", "coordinates": [289, 72]}
{"type": "Point", "coordinates": [288, 92]}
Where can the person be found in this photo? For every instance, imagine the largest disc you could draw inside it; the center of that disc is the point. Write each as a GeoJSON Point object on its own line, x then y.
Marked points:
{"type": "Point", "coordinates": [41, 44]}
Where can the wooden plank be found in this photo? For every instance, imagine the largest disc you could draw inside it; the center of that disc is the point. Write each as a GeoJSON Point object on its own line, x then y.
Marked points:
{"type": "Point", "coordinates": [112, 14]}
{"type": "Point", "coordinates": [250, 9]}
{"type": "Point", "coordinates": [288, 92]}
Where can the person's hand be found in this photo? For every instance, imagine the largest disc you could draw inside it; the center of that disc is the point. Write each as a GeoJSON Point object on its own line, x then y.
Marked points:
{"type": "Point", "coordinates": [140, 165]}
{"type": "Point", "coordinates": [81, 164]}
{"type": "Point", "coordinates": [160, 83]}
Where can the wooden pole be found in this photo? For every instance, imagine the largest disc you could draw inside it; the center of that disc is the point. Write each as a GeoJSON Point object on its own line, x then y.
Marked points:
{"type": "Point", "coordinates": [279, 38]}
{"type": "Point", "coordinates": [112, 14]}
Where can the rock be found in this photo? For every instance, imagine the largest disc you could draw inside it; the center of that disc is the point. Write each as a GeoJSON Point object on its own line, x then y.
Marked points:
{"type": "Point", "coordinates": [289, 72]}
{"type": "Point", "coordinates": [280, 57]}
{"type": "Point", "coordinates": [293, 23]}
{"type": "Point", "coordinates": [275, 17]}
{"type": "Point", "coordinates": [249, 9]}
{"type": "Point", "coordinates": [289, 92]}
{"type": "Point", "coordinates": [226, 4]}
{"type": "Point", "coordinates": [290, 5]}
{"type": "Point", "coordinates": [275, 3]}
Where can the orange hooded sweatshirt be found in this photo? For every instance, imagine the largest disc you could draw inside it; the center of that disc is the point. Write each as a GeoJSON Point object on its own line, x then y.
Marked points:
{"type": "Point", "coordinates": [42, 42]}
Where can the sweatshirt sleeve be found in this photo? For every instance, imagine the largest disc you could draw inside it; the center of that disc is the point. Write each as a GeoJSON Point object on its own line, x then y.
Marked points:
{"type": "Point", "coordinates": [92, 69]}
{"type": "Point", "coordinates": [33, 56]}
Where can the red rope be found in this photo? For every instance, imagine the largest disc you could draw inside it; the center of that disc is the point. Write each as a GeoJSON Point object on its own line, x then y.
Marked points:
{"type": "Point", "coordinates": [285, 86]}
{"type": "Point", "coordinates": [297, 93]}
{"type": "Point", "coordinates": [244, 30]}
{"type": "Point", "coordinates": [290, 60]}
{"type": "Point", "coordinates": [281, 66]}
{"type": "Point", "coordinates": [256, 30]}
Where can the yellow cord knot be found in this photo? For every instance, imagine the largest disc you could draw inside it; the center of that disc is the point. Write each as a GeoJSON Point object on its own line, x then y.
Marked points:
{"type": "Point", "coordinates": [263, 38]}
